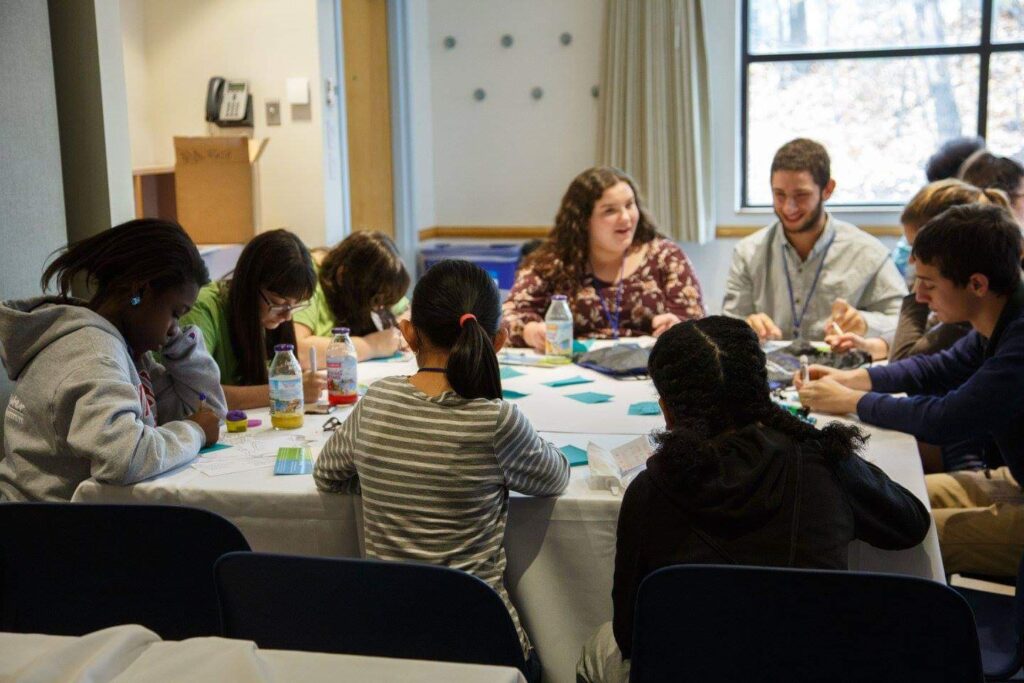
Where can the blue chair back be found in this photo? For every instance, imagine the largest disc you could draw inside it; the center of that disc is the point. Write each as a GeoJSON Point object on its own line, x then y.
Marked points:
{"type": "Point", "coordinates": [71, 568]}
{"type": "Point", "coordinates": [733, 623]}
{"type": "Point", "coordinates": [365, 607]}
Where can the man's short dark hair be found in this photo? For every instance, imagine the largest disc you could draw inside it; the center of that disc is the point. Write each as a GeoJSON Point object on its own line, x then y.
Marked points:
{"type": "Point", "coordinates": [804, 155]}
{"type": "Point", "coordinates": [984, 169]}
{"type": "Point", "coordinates": [969, 239]}
{"type": "Point", "coordinates": [946, 162]}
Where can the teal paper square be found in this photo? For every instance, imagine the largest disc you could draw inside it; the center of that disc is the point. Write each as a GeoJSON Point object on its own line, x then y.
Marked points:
{"type": "Point", "coordinates": [591, 397]}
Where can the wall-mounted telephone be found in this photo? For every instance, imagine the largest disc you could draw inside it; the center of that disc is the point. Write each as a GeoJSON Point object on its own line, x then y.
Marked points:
{"type": "Point", "coordinates": [228, 103]}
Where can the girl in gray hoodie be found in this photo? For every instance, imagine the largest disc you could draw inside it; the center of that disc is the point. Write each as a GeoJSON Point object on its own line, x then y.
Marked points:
{"type": "Point", "coordinates": [89, 400]}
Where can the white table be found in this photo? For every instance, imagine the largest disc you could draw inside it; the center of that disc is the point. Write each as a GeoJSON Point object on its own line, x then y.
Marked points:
{"type": "Point", "coordinates": [560, 551]}
{"type": "Point", "coordinates": [133, 654]}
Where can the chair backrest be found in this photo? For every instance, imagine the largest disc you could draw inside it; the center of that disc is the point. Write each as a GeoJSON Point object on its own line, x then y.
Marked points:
{"type": "Point", "coordinates": [73, 568]}
{"type": "Point", "coordinates": [365, 607]}
{"type": "Point", "coordinates": [733, 623]}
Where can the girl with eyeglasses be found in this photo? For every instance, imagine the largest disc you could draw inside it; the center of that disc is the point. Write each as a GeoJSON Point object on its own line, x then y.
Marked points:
{"type": "Point", "coordinates": [361, 285]}
{"type": "Point", "coordinates": [245, 315]}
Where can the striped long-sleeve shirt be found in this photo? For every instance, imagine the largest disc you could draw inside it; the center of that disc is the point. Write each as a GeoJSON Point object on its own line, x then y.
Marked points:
{"type": "Point", "coordinates": [435, 472]}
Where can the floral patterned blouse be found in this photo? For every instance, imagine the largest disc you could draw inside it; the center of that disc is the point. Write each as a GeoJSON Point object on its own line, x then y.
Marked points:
{"type": "Point", "coordinates": [664, 283]}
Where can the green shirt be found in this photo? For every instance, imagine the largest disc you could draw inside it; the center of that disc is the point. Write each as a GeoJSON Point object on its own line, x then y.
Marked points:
{"type": "Point", "coordinates": [210, 314]}
{"type": "Point", "coordinates": [319, 318]}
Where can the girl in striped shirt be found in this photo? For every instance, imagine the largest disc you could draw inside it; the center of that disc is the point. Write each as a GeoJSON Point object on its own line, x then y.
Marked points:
{"type": "Point", "coordinates": [436, 453]}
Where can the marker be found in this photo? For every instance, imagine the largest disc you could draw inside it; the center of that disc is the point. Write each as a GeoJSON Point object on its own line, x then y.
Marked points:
{"type": "Point", "coordinates": [202, 402]}
{"type": "Point", "coordinates": [805, 370]}
{"type": "Point", "coordinates": [312, 358]}
{"type": "Point", "coordinates": [835, 327]}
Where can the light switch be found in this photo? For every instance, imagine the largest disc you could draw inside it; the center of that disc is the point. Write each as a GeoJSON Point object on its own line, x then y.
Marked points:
{"type": "Point", "coordinates": [298, 90]}
{"type": "Point", "coordinates": [273, 108]}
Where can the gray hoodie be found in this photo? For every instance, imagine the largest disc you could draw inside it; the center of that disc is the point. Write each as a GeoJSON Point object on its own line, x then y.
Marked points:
{"type": "Point", "coordinates": [78, 408]}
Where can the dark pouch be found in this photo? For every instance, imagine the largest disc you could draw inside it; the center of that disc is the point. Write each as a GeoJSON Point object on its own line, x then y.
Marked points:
{"type": "Point", "coordinates": [623, 360]}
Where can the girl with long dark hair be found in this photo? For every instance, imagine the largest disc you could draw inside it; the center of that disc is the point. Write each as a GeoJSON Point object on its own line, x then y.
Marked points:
{"type": "Point", "coordinates": [440, 450]}
{"type": "Point", "coordinates": [245, 315]}
{"type": "Point", "coordinates": [361, 285]}
{"type": "Point", "coordinates": [737, 479]}
{"type": "Point", "coordinates": [89, 399]}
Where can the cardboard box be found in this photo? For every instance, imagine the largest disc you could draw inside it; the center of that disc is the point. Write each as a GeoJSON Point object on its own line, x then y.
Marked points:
{"type": "Point", "coordinates": [217, 187]}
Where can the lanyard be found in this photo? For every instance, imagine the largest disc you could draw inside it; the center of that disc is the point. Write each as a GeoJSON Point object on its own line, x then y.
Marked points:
{"type": "Point", "coordinates": [613, 321]}
{"type": "Point", "coordinates": [798, 319]}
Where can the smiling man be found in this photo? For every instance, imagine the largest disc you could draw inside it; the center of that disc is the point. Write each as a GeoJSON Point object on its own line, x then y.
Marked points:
{"type": "Point", "coordinates": [806, 270]}
{"type": "Point", "coordinates": [968, 268]}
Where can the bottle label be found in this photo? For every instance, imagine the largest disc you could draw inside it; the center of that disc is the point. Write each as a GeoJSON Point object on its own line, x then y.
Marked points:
{"type": "Point", "coordinates": [559, 338]}
{"type": "Point", "coordinates": [342, 379]}
{"type": "Point", "coordinates": [286, 395]}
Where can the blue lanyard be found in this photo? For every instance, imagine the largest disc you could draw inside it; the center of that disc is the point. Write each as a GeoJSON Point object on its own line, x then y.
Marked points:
{"type": "Point", "coordinates": [797, 320]}
{"type": "Point", "coordinates": [613, 321]}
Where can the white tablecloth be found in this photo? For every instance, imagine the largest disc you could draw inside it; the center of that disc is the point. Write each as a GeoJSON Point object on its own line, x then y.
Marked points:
{"type": "Point", "coordinates": [560, 551]}
{"type": "Point", "coordinates": [133, 654]}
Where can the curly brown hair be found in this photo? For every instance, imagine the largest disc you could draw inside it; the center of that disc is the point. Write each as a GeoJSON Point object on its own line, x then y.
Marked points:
{"type": "Point", "coordinates": [563, 258]}
{"type": "Point", "coordinates": [374, 280]}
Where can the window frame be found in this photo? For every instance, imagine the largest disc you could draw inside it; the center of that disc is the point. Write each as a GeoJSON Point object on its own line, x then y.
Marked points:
{"type": "Point", "coordinates": [985, 48]}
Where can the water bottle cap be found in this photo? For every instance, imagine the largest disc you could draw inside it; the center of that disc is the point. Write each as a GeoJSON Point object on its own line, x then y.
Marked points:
{"type": "Point", "coordinates": [559, 297]}
{"type": "Point", "coordinates": [340, 330]}
{"type": "Point", "coordinates": [284, 347]}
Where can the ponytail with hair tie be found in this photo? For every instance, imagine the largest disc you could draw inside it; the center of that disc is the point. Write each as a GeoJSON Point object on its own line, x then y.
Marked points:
{"type": "Point", "coordinates": [461, 290]}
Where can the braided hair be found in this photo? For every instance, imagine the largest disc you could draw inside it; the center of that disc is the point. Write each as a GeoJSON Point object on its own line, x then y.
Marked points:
{"type": "Point", "coordinates": [711, 377]}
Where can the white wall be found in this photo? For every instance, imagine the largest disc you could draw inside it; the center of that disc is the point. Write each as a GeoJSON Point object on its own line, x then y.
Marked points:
{"type": "Point", "coordinates": [31, 187]}
{"type": "Point", "coordinates": [508, 159]}
{"type": "Point", "coordinates": [172, 47]}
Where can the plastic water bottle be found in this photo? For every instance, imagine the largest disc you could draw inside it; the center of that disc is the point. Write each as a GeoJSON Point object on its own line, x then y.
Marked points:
{"type": "Point", "coordinates": [559, 328]}
{"type": "Point", "coordinates": [342, 369]}
{"type": "Point", "coordinates": [286, 402]}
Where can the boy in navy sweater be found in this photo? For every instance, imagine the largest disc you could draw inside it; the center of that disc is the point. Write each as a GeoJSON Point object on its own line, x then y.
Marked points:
{"type": "Point", "coordinates": [968, 269]}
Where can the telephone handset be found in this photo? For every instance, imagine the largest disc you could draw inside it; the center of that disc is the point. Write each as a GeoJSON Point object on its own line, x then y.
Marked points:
{"type": "Point", "coordinates": [228, 102]}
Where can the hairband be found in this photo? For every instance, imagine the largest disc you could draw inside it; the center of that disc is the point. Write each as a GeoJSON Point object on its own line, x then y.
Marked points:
{"type": "Point", "coordinates": [465, 317]}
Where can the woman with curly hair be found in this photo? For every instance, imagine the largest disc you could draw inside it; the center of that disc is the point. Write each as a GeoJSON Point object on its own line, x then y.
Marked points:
{"type": "Point", "coordinates": [737, 479]}
{"type": "Point", "coordinates": [605, 254]}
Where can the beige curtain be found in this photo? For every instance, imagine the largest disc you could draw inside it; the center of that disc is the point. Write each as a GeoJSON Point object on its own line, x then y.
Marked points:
{"type": "Point", "coordinates": [654, 121]}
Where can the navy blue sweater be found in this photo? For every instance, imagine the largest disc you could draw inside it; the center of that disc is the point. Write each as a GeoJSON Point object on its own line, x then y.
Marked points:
{"type": "Point", "coordinates": [974, 388]}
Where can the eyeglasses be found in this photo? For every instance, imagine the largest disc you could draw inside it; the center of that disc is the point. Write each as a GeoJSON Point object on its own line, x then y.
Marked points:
{"type": "Point", "coordinates": [332, 424]}
{"type": "Point", "coordinates": [282, 308]}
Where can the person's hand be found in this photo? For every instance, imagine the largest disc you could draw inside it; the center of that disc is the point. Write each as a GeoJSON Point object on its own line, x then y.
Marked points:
{"type": "Point", "coordinates": [384, 343]}
{"type": "Point", "coordinates": [848, 318]}
{"type": "Point", "coordinates": [661, 322]}
{"type": "Point", "coordinates": [764, 326]}
{"type": "Point", "coordinates": [313, 385]}
{"type": "Point", "coordinates": [847, 341]}
{"type": "Point", "coordinates": [536, 336]}
{"type": "Point", "coordinates": [210, 424]}
{"type": "Point", "coordinates": [816, 372]}
{"type": "Point", "coordinates": [826, 395]}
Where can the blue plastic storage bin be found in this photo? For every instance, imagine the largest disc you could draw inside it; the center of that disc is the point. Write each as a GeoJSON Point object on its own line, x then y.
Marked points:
{"type": "Point", "coordinates": [499, 260]}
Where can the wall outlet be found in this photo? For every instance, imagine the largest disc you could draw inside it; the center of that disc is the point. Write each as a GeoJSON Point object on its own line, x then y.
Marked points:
{"type": "Point", "coordinates": [273, 108]}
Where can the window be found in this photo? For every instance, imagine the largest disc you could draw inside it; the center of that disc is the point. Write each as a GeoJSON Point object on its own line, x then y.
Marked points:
{"type": "Point", "coordinates": [881, 83]}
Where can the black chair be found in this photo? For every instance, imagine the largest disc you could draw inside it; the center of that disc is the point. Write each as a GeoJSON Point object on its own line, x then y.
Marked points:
{"type": "Point", "coordinates": [733, 623]}
{"type": "Point", "coordinates": [70, 568]}
{"type": "Point", "coordinates": [365, 607]}
{"type": "Point", "coordinates": [1000, 620]}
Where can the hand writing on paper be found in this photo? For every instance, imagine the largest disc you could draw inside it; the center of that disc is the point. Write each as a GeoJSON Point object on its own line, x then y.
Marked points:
{"type": "Point", "coordinates": [209, 423]}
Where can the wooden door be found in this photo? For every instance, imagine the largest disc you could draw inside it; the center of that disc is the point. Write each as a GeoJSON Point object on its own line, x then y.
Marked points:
{"type": "Point", "coordinates": [368, 114]}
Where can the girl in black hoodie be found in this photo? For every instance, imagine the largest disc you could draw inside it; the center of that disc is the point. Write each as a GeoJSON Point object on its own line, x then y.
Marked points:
{"type": "Point", "coordinates": [737, 479]}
